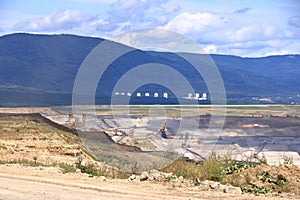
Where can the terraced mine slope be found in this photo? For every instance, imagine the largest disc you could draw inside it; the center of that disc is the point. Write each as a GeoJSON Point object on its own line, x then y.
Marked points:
{"type": "Point", "coordinates": [29, 138]}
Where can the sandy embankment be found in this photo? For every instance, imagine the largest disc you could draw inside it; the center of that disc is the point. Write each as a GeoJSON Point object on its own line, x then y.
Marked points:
{"type": "Point", "coordinates": [36, 183]}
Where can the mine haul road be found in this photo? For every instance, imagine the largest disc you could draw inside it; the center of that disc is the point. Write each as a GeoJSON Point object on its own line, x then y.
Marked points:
{"type": "Point", "coordinates": [19, 183]}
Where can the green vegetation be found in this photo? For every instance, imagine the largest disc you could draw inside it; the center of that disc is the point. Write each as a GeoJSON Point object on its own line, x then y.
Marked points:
{"type": "Point", "coordinates": [91, 169]}
{"type": "Point", "coordinates": [88, 169]}
{"type": "Point", "coordinates": [270, 181]}
{"type": "Point", "coordinates": [265, 176]}
{"type": "Point", "coordinates": [255, 189]}
{"type": "Point", "coordinates": [67, 168]}
{"type": "Point", "coordinates": [23, 162]}
{"type": "Point", "coordinates": [238, 167]}
{"type": "Point", "coordinates": [243, 77]}
{"type": "Point", "coordinates": [247, 176]}
{"type": "Point", "coordinates": [213, 168]}
{"type": "Point", "coordinates": [95, 170]}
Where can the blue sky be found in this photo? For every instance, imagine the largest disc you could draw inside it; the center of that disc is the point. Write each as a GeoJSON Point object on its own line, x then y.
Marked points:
{"type": "Point", "coordinates": [249, 28]}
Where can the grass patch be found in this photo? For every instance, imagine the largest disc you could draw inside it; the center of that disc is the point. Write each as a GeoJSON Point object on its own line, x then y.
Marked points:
{"type": "Point", "coordinates": [67, 168]}
{"type": "Point", "coordinates": [224, 170]}
{"type": "Point", "coordinates": [90, 169]}
{"type": "Point", "coordinates": [106, 171]}
{"type": "Point", "coordinates": [23, 162]}
{"type": "Point", "coordinates": [182, 168]}
{"type": "Point", "coordinates": [213, 168]}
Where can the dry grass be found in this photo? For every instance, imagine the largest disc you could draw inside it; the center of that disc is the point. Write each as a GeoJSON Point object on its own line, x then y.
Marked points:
{"type": "Point", "coordinates": [211, 169]}
{"type": "Point", "coordinates": [253, 178]}
{"type": "Point", "coordinates": [107, 171]}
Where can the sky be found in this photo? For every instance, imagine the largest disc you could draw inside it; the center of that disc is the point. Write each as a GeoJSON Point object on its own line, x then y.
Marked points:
{"type": "Point", "coordinates": [247, 28]}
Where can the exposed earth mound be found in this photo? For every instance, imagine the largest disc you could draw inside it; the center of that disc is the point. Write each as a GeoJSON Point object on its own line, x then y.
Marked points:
{"type": "Point", "coordinates": [29, 138]}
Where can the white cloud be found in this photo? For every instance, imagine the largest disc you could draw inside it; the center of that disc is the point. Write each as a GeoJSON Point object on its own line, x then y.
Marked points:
{"type": "Point", "coordinates": [56, 21]}
{"type": "Point", "coordinates": [191, 24]}
{"type": "Point", "coordinates": [125, 15]}
{"type": "Point", "coordinates": [253, 32]}
{"type": "Point", "coordinates": [170, 9]}
{"type": "Point", "coordinates": [218, 34]}
{"type": "Point", "coordinates": [8, 18]}
{"type": "Point", "coordinates": [281, 52]}
{"type": "Point", "coordinates": [210, 49]}
{"type": "Point", "coordinates": [222, 32]}
{"type": "Point", "coordinates": [211, 29]}
{"type": "Point", "coordinates": [159, 40]}
{"type": "Point", "coordinates": [257, 48]}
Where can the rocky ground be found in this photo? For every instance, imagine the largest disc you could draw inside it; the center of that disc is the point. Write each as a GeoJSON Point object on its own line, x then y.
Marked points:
{"type": "Point", "coordinates": [40, 183]}
{"type": "Point", "coordinates": [31, 140]}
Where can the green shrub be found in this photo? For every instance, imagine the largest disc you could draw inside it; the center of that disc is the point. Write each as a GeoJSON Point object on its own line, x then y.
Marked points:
{"type": "Point", "coordinates": [184, 169]}
{"type": "Point", "coordinates": [255, 189]}
{"type": "Point", "coordinates": [88, 169]}
{"type": "Point", "coordinates": [265, 176]}
{"type": "Point", "coordinates": [213, 167]}
{"type": "Point", "coordinates": [67, 167]}
{"type": "Point", "coordinates": [238, 167]}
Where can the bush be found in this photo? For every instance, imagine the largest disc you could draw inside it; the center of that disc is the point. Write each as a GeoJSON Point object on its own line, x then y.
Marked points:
{"type": "Point", "coordinates": [182, 168]}
{"type": "Point", "coordinates": [265, 176]}
{"type": "Point", "coordinates": [213, 167]}
{"type": "Point", "coordinates": [94, 170]}
{"type": "Point", "coordinates": [238, 167]}
{"type": "Point", "coordinates": [255, 189]}
{"type": "Point", "coordinates": [67, 167]}
{"type": "Point", "coordinates": [88, 169]}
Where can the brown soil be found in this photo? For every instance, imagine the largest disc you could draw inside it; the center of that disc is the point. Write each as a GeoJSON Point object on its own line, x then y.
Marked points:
{"type": "Point", "coordinates": [277, 179]}
{"type": "Point", "coordinates": [38, 183]}
{"type": "Point", "coordinates": [27, 138]}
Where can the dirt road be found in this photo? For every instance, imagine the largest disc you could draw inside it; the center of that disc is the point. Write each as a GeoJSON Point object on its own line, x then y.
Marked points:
{"type": "Point", "coordinates": [36, 183]}
{"type": "Point", "coordinates": [17, 188]}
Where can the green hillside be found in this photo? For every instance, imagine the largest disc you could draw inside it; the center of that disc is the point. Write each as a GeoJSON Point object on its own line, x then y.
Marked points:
{"type": "Point", "coordinates": [40, 70]}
